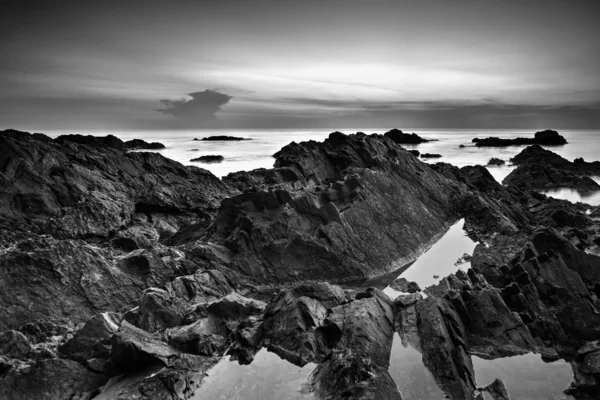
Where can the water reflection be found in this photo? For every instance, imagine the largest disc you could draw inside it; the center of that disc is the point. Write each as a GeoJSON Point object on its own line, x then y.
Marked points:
{"type": "Point", "coordinates": [592, 198]}
{"type": "Point", "coordinates": [526, 377]}
{"type": "Point", "coordinates": [413, 379]}
{"type": "Point", "coordinates": [268, 377]}
{"type": "Point", "coordinates": [440, 259]}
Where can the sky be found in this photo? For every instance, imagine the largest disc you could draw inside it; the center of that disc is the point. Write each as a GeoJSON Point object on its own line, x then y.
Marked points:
{"type": "Point", "coordinates": [299, 64]}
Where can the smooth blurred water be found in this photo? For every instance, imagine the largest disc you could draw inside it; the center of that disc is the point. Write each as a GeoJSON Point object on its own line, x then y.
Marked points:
{"type": "Point", "coordinates": [258, 152]}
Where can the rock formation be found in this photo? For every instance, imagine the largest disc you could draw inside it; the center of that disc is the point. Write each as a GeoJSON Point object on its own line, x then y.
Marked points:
{"type": "Point", "coordinates": [127, 275]}
{"type": "Point", "coordinates": [209, 159]}
{"type": "Point", "coordinates": [542, 169]}
{"type": "Point", "coordinates": [404, 138]}
{"type": "Point", "coordinates": [544, 138]}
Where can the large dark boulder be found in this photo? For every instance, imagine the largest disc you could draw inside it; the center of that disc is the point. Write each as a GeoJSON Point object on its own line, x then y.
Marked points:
{"type": "Point", "coordinates": [404, 138]}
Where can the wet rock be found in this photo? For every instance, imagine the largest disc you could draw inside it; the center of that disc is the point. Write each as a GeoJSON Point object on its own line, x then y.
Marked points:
{"type": "Point", "coordinates": [430, 155]}
{"type": "Point", "coordinates": [51, 379]}
{"type": "Point", "coordinates": [289, 327]}
{"type": "Point", "coordinates": [497, 390]}
{"type": "Point", "coordinates": [93, 339]}
{"type": "Point", "coordinates": [235, 307]}
{"type": "Point", "coordinates": [402, 285]}
{"type": "Point", "coordinates": [277, 235]}
{"type": "Point", "coordinates": [544, 177]}
{"type": "Point", "coordinates": [404, 138]}
{"type": "Point", "coordinates": [357, 366]}
{"type": "Point", "coordinates": [415, 153]}
{"type": "Point", "coordinates": [134, 349]}
{"type": "Point", "coordinates": [465, 258]}
{"type": "Point", "coordinates": [545, 138]}
{"type": "Point", "coordinates": [444, 347]}
{"type": "Point", "coordinates": [14, 344]}
{"type": "Point", "coordinates": [542, 169]}
{"type": "Point", "coordinates": [72, 190]}
{"type": "Point", "coordinates": [209, 159]}
{"type": "Point", "coordinates": [88, 279]}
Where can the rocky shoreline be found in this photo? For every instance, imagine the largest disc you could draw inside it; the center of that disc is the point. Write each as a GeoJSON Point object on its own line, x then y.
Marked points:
{"type": "Point", "coordinates": [128, 275]}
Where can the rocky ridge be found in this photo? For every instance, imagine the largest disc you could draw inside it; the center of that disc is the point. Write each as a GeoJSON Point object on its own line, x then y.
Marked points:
{"type": "Point", "coordinates": [156, 282]}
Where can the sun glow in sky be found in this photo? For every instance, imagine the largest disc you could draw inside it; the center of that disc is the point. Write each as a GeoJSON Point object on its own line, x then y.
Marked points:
{"type": "Point", "coordinates": [430, 63]}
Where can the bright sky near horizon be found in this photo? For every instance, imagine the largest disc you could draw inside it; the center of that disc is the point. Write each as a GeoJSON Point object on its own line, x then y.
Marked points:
{"type": "Point", "coordinates": [281, 64]}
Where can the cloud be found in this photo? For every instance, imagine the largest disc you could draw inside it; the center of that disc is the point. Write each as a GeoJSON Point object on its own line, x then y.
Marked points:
{"type": "Point", "coordinates": [200, 110]}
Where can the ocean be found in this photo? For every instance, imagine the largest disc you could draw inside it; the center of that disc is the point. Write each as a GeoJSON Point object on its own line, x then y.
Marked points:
{"type": "Point", "coordinates": [258, 152]}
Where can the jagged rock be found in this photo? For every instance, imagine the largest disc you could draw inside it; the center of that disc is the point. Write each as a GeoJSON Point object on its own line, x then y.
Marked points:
{"type": "Point", "coordinates": [133, 349]}
{"type": "Point", "coordinates": [209, 159]}
{"type": "Point", "coordinates": [402, 285]}
{"type": "Point", "coordinates": [444, 348]}
{"type": "Point", "coordinates": [175, 304]}
{"type": "Point", "coordinates": [497, 390]}
{"type": "Point", "coordinates": [50, 380]}
{"type": "Point", "coordinates": [545, 138]}
{"type": "Point", "coordinates": [361, 345]}
{"type": "Point", "coordinates": [72, 190]}
{"type": "Point", "coordinates": [404, 138]}
{"type": "Point", "coordinates": [235, 307]}
{"type": "Point", "coordinates": [542, 169]}
{"type": "Point", "coordinates": [289, 327]}
{"type": "Point", "coordinates": [14, 344]}
{"type": "Point", "coordinates": [93, 338]}
{"type": "Point", "coordinates": [361, 186]}
{"type": "Point", "coordinates": [88, 279]}
{"type": "Point", "coordinates": [496, 161]}
{"type": "Point", "coordinates": [544, 177]}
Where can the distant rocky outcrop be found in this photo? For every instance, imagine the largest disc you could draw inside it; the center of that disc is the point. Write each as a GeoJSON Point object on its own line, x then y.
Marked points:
{"type": "Point", "coordinates": [496, 162]}
{"type": "Point", "coordinates": [544, 138]}
{"type": "Point", "coordinates": [430, 155]}
{"type": "Point", "coordinates": [110, 141]}
{"type": "Point", "coordinates": [541, 169]}
{"type": "Point", "coordinates": [223, 138]}
{"type": "Point", "coordinates": [209, 159]}
{"type": "Point", "coordinates": [404, 138]}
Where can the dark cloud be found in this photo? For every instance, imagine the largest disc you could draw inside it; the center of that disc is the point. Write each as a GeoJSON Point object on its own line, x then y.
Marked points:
{"type": "Point", "coordinates": [198, 111]}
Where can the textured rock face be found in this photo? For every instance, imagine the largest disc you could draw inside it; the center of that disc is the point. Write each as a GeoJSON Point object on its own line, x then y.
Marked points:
{"type": "Point", "coordinates": [541, 169]}
{"type": "Point", "coordinates": [138, 296]}
{"type": "Point", "coordinates": [404, 138]}
{"type": "Point", "coordinates": [73, 190]}
{"type": "Point", "coordinates": [352, 187]}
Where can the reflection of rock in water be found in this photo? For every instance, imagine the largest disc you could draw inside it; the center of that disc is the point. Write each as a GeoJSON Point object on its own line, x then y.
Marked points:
{"type": "Point", "coordinates": [526, 376]}
{"type": "Point", "coordinates": [267, 377]}
{"type": "Point", "coordinates": [412, 377]}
